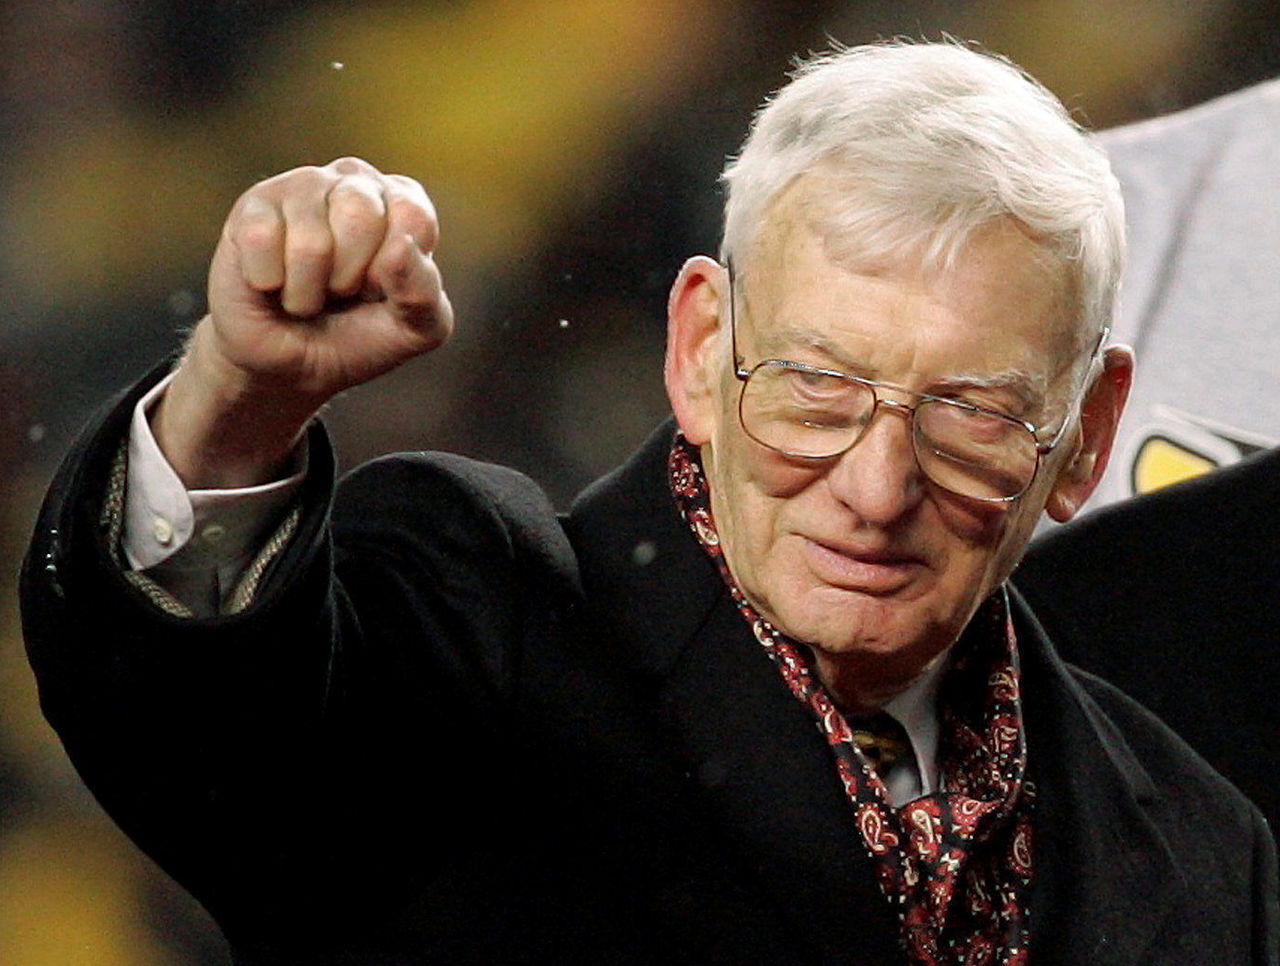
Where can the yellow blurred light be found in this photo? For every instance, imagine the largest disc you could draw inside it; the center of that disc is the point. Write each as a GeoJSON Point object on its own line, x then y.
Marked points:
{"type": "Point", "coordinates": [508, 110]}
{"type": "Point", "coordinates": [1096, 52]}
{"type": "Point", "coordinates": [67, 899]}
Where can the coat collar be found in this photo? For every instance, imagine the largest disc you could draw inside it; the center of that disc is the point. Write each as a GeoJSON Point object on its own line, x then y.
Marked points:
{"type": "Point", "coordinates": [1103, 870]}
{"type": "Point", "coordinates": [761, 767]}
{"type": "Point", "coordinates": [636, 553]}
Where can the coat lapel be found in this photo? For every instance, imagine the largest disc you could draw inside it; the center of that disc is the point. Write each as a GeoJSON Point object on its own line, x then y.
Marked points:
{"type": "Point", "coordinates": [769, 778]}
{"type": "Point", "coordinates": [759, 766]}
{"type": "Point", "coordinates": [1105, 879]}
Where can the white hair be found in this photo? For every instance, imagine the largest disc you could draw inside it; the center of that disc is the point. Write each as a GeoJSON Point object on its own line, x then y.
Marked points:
{"type": "Point", "coordinates": [924, 144]}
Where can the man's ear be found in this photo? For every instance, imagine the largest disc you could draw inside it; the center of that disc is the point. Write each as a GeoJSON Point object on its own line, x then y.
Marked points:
{"type": "Point", "coordinates": [692, 365]}
{"type": "Point", "coordinates": [1099, 417]}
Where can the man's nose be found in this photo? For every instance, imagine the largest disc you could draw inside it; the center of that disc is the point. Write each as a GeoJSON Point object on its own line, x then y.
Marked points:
{"type": "Point", "coordinates": [879, 478]}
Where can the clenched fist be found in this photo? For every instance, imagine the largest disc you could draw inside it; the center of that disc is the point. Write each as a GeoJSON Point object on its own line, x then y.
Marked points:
{"type": "Point", "coordinates": [323, 278]}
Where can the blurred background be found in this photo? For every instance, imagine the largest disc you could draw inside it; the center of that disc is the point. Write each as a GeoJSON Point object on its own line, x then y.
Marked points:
{"type": "Point", "coordinates": [572, 148]}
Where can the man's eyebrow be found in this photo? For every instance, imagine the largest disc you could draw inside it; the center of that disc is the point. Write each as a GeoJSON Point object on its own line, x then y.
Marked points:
{"type": "Point", "coordinates": [1028, 389]}
{"type": "Point", "coordinates": [782, 340]}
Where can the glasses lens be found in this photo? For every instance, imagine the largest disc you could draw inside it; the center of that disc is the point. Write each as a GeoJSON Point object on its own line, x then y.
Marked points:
{"type": "Point", "coordinates": [802, 411]}
{"type": "Point", "coordinates": [973, 452]}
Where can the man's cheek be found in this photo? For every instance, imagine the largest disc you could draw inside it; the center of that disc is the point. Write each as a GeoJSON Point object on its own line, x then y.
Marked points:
{"type": "Point", "coordinates": [977, 524]}
{"type": "Point", "coordinates": [778, 477]}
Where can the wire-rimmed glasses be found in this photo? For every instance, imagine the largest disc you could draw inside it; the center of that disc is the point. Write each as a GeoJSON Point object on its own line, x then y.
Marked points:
{"type": "Point", "coordinates": [813, 413]}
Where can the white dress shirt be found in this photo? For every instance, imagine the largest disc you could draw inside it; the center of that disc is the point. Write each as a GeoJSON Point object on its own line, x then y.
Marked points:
{"type": "Point", "coordinates": [194, 543]}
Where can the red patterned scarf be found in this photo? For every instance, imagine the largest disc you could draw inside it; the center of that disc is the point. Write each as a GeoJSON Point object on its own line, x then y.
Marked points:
{"type": "Point", "coordinates": [955, 864]}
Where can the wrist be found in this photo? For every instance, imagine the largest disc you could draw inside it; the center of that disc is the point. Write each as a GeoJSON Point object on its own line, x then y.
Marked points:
{"type": "Point", "coordinates": [221, 426]}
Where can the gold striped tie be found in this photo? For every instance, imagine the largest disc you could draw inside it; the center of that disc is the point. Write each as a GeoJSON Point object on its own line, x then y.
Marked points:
{"type": "Point", "coordinates": [882, 740]}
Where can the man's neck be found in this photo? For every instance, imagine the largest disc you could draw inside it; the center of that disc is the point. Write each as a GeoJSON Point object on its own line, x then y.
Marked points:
{"type": "Point", "coordinates": [846, 680]}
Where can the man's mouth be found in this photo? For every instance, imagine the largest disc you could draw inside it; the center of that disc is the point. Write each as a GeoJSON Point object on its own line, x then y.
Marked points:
{"type": "Point", "coordinates": [869, 570]}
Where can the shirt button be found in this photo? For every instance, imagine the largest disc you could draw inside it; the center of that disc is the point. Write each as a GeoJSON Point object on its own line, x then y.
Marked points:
{"type": "Point", "coordinates": [213, 533]}
{"type": "Point", "coordinates": [163, 531]}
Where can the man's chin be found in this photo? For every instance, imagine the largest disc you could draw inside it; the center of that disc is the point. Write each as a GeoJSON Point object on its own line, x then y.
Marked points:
{"type": "Point", "coordinates": [848, 630]}
{"type": "Point", "coordinates": [879, 628]}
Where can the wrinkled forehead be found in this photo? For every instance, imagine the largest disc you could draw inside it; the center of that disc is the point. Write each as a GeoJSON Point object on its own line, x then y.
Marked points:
{"type": "Point", "coordinates": [821, 213]}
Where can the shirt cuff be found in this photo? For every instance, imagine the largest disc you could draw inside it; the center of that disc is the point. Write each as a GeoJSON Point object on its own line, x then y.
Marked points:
{"type": "Point", "coordinates": [212, 528]}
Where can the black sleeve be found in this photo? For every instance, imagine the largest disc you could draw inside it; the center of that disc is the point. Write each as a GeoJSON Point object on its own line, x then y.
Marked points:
{"type": "Point", "coordinates": [1169, 597]}
{"type": "Point", "coordinates": [1266, 896]}
{"type": "Point", "coordinates": [294, 764]}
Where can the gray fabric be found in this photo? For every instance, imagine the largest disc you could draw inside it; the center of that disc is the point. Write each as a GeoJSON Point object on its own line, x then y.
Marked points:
{"type": "Point", "coordinates": [1201, 297]}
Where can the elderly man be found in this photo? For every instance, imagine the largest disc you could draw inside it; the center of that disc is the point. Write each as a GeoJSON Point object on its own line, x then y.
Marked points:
{"type": "Point", "coordinates": [761, 697]}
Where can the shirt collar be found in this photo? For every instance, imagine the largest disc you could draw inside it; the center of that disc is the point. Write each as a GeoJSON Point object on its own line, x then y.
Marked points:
{"type": "Point", "coordinates": [916, 709]}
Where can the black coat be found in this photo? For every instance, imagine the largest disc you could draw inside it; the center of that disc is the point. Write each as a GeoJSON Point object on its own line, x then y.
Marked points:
{"type": "Point", "coordinates": [1172, 596]}
{"type": "Point", "coordinates": [455, 729]}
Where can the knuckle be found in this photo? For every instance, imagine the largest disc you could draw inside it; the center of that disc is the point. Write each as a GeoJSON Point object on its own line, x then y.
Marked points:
{"type": "Point", "coordinates": [412, 218]}
{"type": "Point", "coordinates": [304, 178]}
{"type": "Point", "coordinates": [402, 187]}
{"type": "Point", "coordinates": [403, 184]}
{"type": "Point", "coordinates": [398, 263]}
{"type": "Point", "coordinates": [255, 229]}
{"type": "Point", "coordinates": [288, 182]}
{"type": "Point", "coordinates": [349, 164]}
{"type": "Point", "coordinates": [399, 276]}
{"type": "Point", "coordinates": [309, 244]}
{"type": "Point", "coordinates": [353, 211]}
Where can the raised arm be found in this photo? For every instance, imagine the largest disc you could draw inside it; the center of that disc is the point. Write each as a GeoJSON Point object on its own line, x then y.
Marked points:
{"type": "Point", "coordinates": [311, 760]}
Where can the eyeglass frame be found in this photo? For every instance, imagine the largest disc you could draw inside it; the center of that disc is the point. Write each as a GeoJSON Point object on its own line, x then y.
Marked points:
{"type": "Point", "coordinates": [743, 374]}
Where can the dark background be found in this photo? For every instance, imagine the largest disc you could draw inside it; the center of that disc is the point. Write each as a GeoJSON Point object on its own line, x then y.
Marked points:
{"type": "Point", "coordinates": [572, 148]}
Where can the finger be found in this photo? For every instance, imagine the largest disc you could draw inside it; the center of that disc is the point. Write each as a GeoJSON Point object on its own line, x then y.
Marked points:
{"type": "Point", "coordinates": [256, 231]}
{"type": "Point", "coordinates": [308, 251]}
{"type": "Point", "coordinates": [410, 212]}
{"type": "Point", "coordinates": [414, 290]}
{"type": "Point", "coordinates": [351, 165]}
{"type": "Point", "coordinates": [357, 224]}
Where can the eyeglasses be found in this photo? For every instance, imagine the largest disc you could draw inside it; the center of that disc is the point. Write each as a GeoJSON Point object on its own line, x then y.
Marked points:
{"type": "Point", "coordinates": [811, 413]}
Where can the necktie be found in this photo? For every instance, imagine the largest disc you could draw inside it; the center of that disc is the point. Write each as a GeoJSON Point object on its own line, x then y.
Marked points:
{"type": "Point", "coordinates": [882, 740]}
